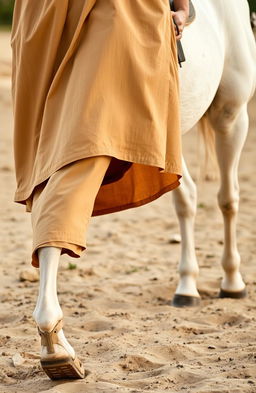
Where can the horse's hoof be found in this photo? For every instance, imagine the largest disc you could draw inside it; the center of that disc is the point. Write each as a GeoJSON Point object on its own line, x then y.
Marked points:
{"type": "Point", "coordinates": [185, 301]}
{"type": "Point", "coordinates": [233, 295]}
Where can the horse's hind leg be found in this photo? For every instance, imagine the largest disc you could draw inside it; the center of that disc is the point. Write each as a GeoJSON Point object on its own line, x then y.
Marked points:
{"type": "Point", "coordinates": [48, 311]}
{"type": "Point", "coordinates": [58, 358]}
{"type": "Point", "coordinates": [231, 126]}
{"type": "Point", "coordinates": [185, 198]}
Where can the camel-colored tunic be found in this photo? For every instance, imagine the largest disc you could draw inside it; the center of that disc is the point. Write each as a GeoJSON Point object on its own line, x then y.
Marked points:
{"type": "Point", "coordinates": [92, 78]}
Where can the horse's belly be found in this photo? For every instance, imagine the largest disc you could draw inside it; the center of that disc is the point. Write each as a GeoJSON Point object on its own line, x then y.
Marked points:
{"type": "Point", "coordinates": [200, 75]}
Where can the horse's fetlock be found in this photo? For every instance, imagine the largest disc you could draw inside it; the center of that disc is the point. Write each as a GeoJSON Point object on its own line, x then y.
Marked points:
{"type": "Point", "coordinates": [231, 262]}
{"type": "Point", "coordinates": [189, 272]}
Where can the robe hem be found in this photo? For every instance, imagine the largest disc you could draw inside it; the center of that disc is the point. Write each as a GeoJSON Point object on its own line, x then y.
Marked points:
{"type": "Point", "coordinates": [21, 197]}
{"type": "Point", "coordinates": [142, 202]}
{"type": "Point", "coordinates": [71, 251]}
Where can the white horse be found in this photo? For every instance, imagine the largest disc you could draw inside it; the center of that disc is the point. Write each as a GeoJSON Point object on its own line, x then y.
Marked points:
{"type": "Point", "coordinates": [217, 81]}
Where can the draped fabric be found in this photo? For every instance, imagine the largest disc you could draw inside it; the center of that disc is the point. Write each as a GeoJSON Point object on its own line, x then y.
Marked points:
{"type": "Point", "coordinates": [93, 78]}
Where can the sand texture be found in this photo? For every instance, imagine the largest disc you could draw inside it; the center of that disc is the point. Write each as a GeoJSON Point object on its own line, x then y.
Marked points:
{"type": "Point", "coordinates": [115, 299]}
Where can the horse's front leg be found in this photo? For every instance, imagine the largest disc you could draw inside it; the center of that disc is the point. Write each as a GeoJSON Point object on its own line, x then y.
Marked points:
{"type": "Point", "coordinates": [231, 130]}
{"type": "Point", "coordinates": [185, 198]}
{"type": "Point", "coordinates": [57, 355]}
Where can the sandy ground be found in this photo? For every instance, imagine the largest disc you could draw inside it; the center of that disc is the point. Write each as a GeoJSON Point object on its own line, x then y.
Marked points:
{"type": "Point", "coordinates": [116, 298]}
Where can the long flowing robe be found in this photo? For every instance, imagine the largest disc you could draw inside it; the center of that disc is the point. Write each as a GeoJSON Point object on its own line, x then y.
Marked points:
{"type": "Point", "coordinates": [97, 77]}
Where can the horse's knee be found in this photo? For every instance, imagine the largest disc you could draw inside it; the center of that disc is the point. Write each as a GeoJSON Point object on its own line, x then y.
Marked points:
{"type": "Point", "coordinates": [186, 202]}
{"type": "Point", "coordinates": [229, 113]}
{"type": "Point", "coordinates": [229, 207]}
{"type": "Point", "coordinates": [223, 117]}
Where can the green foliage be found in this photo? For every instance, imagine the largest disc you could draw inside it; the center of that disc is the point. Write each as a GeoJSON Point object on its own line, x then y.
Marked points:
{"type": "Point", "coordinates": [72, 266]}
{"type": "Point", "coordinates": [6, 8]}
{"type": "Point", "coordinates": [252, 4]}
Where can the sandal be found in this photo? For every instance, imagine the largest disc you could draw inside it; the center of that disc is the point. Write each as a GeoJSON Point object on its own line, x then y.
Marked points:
{"type": "Point", "coordinates": [59, 367]}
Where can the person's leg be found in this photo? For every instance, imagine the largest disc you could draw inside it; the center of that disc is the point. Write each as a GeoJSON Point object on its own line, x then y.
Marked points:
{"type": "Point", "coordinates": [60, 214]}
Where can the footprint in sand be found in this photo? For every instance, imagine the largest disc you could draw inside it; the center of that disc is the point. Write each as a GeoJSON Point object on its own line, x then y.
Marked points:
{"type": "Point", "coordinates": [136, 363]}
{"type": "Point", "coordinates": [97, 326]}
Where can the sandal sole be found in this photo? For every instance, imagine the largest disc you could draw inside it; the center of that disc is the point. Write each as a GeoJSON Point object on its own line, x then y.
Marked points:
{"type": "Point", "coordinates": [62, 369]}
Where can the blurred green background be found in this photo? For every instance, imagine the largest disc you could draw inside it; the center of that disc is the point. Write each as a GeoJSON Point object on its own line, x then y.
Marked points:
{"type": "Point", "coordinates": [6, 7]}
{"type": "Point", "coordinates": [252, 5]}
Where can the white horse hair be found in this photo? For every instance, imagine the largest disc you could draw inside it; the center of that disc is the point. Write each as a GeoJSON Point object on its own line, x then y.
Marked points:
{"type": "Point", "coordinates": [217, 81]}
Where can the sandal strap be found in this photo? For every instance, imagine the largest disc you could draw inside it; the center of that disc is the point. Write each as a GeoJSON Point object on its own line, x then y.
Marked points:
{"type": "Point", "coordinates": [50, 338]}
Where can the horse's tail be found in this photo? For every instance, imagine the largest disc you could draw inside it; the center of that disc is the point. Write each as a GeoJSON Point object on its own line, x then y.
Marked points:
{"type": "Point", "coordinates": [210, 171]}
